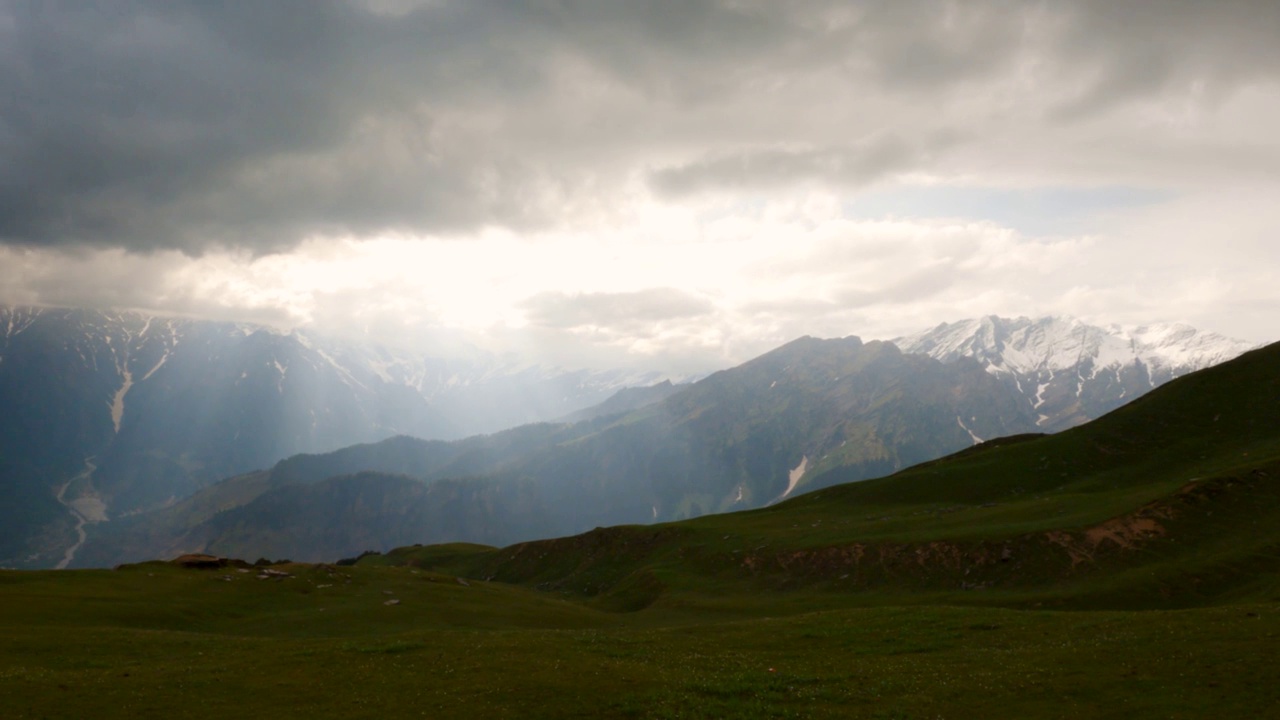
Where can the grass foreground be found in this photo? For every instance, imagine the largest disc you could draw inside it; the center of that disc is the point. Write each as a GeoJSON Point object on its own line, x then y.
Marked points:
{"type": "Point", "coordinates": [157, 641]}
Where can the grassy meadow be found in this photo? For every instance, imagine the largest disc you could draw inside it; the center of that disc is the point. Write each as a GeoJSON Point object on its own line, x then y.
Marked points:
{"type": "Point", "coordinates": [155, 641]}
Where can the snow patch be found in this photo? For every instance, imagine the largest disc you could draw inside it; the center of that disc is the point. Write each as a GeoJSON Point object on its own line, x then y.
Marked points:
{"type": "Point", "coordinates": [379, 368]}
{"type": "Point", "coordinates": [117, 403]}
{"type": "Point", "coordinates": [153, 370]}
{"type": "Point", "coordinates": [794, 477]}
{"type": "Point", "coordinates": [1040, 388]}
{"type": "Point", "coordinates": [964, 427]}
{"type": "Point", "coordinates": [19, 320]}
{"type": "Point", "coordinates": [343, 373]}
{"type": "Point", "coordinates": [122, 367]}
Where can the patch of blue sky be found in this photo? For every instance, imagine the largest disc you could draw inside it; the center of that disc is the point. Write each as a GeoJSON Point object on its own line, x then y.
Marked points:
{"type": "Point", "coordinates": [1043, 211]}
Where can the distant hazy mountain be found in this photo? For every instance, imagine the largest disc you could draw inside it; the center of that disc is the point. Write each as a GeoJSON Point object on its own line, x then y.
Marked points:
{"type": "Point", "coordinates": [626, 400]}
{"type": "Point", "coordinates": [739, 439]}
{"type": "Point", "coordinates": [1069, 372]}
{"type": "Point", "coordinates": [107, 414]}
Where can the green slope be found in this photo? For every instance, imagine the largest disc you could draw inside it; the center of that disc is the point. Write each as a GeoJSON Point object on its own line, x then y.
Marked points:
{"type": "Point", "coordinates": [1172, 500]}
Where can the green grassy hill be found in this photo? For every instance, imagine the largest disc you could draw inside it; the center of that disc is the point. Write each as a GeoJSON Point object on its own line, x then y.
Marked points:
{"type": "Point", "coordinates": [1129, 568]}
{"type": "Point", "coordinates": [1171, 500]}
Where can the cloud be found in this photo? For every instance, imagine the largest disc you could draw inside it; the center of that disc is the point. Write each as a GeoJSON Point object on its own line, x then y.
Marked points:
{"type": "Point", "coordinates": [169, 283]}
{"type": "Point", "coordinates": [764, 169]}
{"type": "Point", "coordinates": [621, 311]}
{"type": "Point", "coordinates": [157, 125]}
{"type": "Point", "coordinates": [1129, 51]}
{"type": "Point", "coordinates": [735, 287]}
{"type": "Point", "coordinates": [188, 125]}
{"type": "Point", "coordinates": [697, 180]}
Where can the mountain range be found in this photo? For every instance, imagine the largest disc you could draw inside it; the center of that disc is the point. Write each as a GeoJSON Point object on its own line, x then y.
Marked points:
{"type": "Point", "coordinates": [810, 414]}
{"type": "Point", "coordinates": [738, 439]}
{"type": "Point", "coordinates": [128, 436]}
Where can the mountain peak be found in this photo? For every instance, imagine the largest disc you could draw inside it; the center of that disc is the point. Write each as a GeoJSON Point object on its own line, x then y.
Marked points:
{"type": "Point", "coordinates": [1060, 342]}
{"type": "Point", "coordinates": [1069, 370]}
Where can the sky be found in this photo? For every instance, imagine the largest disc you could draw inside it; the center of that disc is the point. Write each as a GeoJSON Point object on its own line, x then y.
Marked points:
{"type": "Point", "coordinates": [676, 185]}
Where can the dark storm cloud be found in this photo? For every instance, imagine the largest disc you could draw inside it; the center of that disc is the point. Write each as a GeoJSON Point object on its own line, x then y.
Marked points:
{"type": "Point", "coordinates": [630, 310]}
{"type": "Point", "coordinates": [117, 118]}
{"type": "Point", "coordinates": [185, 125]}
{"type": "Point", "coordinates": [182, 124]}
{"type": "Point", "coordinates": [1139, 49]}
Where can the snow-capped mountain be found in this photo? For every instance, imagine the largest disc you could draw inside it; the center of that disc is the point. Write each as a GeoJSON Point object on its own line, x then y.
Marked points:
{"type": "Point", "coordinates": [106, 413]}
{"type": "Point", "coordinates": [1071, 372]}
